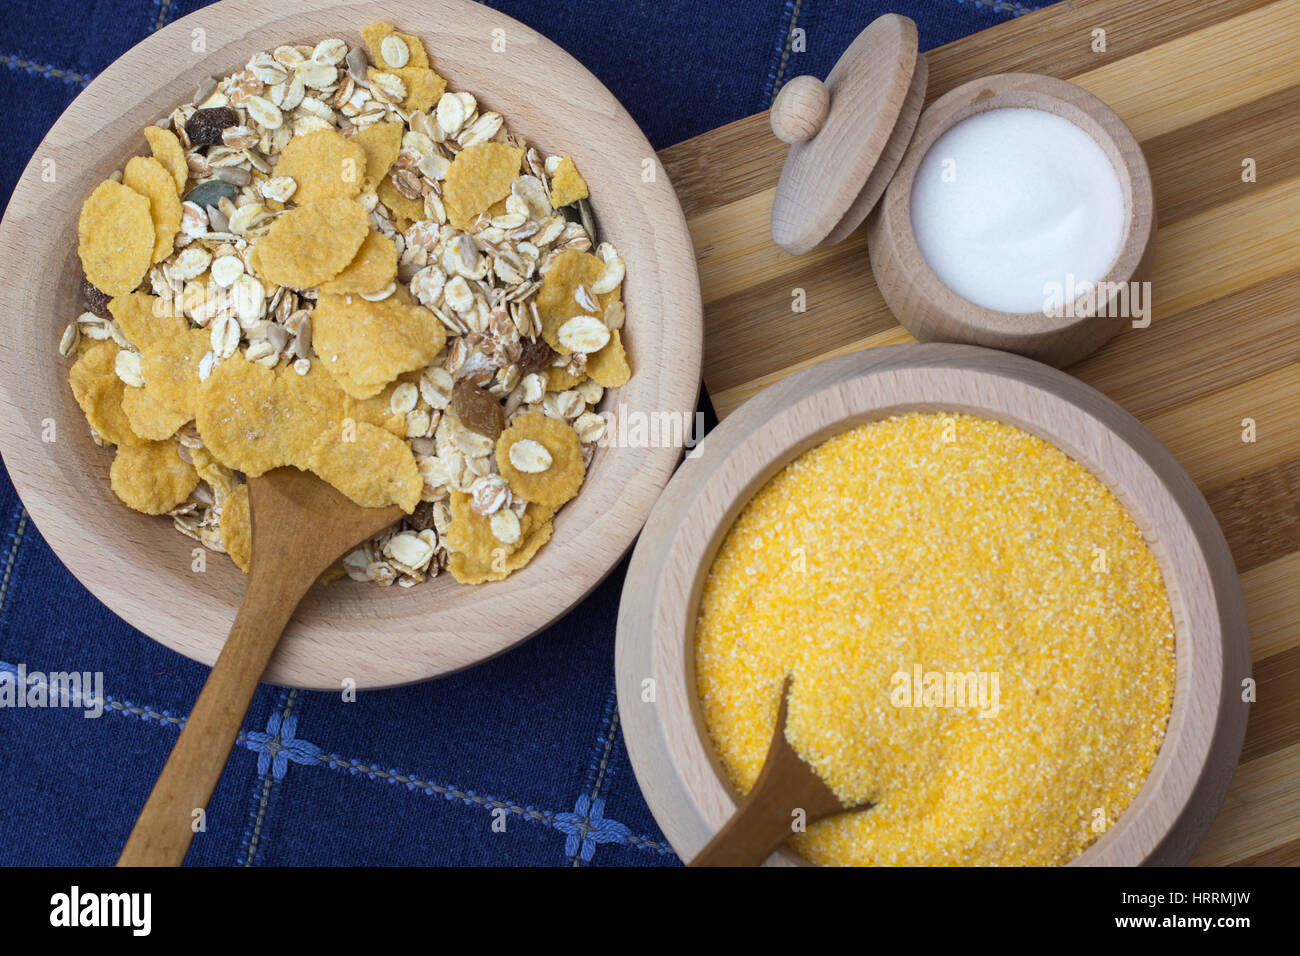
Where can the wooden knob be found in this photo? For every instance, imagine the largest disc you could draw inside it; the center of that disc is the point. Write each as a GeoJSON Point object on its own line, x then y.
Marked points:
{"type": "Point", "coordinates": [800, 109]}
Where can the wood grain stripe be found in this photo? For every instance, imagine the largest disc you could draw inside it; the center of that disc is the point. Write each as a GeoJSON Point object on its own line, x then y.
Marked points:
{"type": "Point", "coordinates": [1059, 39]}
{"type": "Point", "coordinates": [1227, 248]}
{"type": "Point", "coordinates": [1272, 717]}
{"type": "Point", "coordinates": [724, 165]}
{"type": "Point", "coordinates": [733, 246]}
{"type": "Point", "coordinates": [1260, 813]}
{"type": "Point", "coordinates": [843, 306]}
{"type": "Point", "coordinates": [1200, 74]}
{"type": "Point", "coordinates": [1260, 515]}
{"type": "Point", "coordinates": [1200, 165]}
{"type": "Point", "coordinates": [1286, 854]}
{"type": "Point", "coordinates": [1272, 593]}
{"type": "Point", "coordinates": [1206, 435]}
{"type": "Point", "coordinates": [1199, 350]}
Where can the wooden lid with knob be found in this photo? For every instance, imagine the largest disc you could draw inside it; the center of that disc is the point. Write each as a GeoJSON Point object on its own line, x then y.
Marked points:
{"type": "Point", "coordinates": [847, 135]}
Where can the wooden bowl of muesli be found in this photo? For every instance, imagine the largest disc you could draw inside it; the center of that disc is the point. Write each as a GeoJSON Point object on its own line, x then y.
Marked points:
{"type": "Point", "coordinates": [346, 630]}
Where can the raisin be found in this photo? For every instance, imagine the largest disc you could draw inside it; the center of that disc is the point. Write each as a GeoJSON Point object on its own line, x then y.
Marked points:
{"type": "Point", "coordinates": [96, 301]}
{"type": "Point", "coordinates": [421, 518]}
{"type": "Point", "coordinates": [534, 356]}
{"type": "Point", "coordinates": [478, 409]}
{"type": "Point", "coordinates": [205, 127]}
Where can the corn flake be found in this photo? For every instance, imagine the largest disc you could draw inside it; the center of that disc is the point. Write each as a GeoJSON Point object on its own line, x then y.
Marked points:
{"type": "Point", "coordinates": [148, 418]}
{"type": "Point", "coordinates": [312, 244]}
{"type": "Point", "coordinates": [376, 33]}
{"type": "Point", "coordinates": [315, 397]}
{"type": "Point", "coordinates": [609, 368]}
{"type": "Point", "coordinates": [558, 483]}
{"type": "Point", "coordinates": [145, 319]}
{"type": "Point", "coordinates": [378, 409]}
{"type": "Point", "coordinates": [324, 164]}
{"type": "Point", "coordinates": [237, 528]}
{"type": "Point", "coordinates": [171, 385]}
{"type": "Point", "coordinates": [115, 238]}
{"type": "Point", "coordinates": [477, 555]}
{"type": "Point", "coordinates": [167, 149]}
{"type": "Point", "coordinates": [373, 268]}
{"type": "Point", "coordinates": [560, 379]}
{"type": "Point", "coordinates": [98, 391]}
{"type": "Point", "coordinates": [151, 477]}
{"type": "Point", "coordinates": [467, 571]}
{"type": "Point", "coordinates": [335, 572]}
{"type": "Point", "coordinates": [567, 184]}
{"type": "Point", "coordinates": [479, 176]}
{"type": "Point", "coordinates": [152, 180]}
{"type": "Point", "coordinates": [381, 143]}
{"type": "Point", "coordinates": [556, 302]}
{"type": "Point", "coordinates": [370, 466]}
{"type": "Point", "coordinates": [365, 345]}
{"type": "Point", "coordinates": [402, 207]}
{"type": "Point", "coordinates": [254, 419]}
{"type": "Point", "coordinates": [239, 413]}
{"type": "Point", "coordinates": [424, 87]}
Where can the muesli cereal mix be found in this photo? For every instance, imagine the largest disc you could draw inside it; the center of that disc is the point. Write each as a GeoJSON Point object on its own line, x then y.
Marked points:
{"type": "Point", "coordinates": [332, 261]}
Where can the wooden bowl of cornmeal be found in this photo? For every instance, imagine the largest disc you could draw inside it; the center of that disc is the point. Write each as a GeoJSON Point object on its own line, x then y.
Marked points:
{"type": "Point", "coordinates": [1012, 624]}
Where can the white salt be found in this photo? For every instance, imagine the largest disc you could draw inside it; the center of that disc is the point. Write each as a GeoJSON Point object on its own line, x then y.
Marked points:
{"type": "Point", "coordinates": [1011, 201]}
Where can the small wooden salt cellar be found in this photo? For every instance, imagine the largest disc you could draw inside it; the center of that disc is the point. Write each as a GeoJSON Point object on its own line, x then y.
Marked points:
{"type": "Point", "coordinates": [856, 142]}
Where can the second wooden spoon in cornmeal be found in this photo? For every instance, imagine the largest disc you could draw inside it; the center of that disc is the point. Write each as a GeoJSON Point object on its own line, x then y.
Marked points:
{"type": "Point", "coordinates": [786, 785]}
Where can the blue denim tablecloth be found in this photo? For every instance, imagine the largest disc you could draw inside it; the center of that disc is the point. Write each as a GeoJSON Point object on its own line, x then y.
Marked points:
{"type": "Point", "coordinates": [408, 776]}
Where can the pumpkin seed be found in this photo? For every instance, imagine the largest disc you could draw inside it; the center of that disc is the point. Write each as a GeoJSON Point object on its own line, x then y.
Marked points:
{"type": "Point", "coordinates": [580, 212]}
{"type": "Point", "coordinates": [211, 192]}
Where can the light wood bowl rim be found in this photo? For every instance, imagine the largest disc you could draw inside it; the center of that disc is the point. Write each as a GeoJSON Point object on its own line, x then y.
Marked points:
{"type": "Point", "coordinates": [1003, 90]}
{"type": "Point", "coordinates": [668, 745]}
{"type": "Point", "coordinates": [139, 566]}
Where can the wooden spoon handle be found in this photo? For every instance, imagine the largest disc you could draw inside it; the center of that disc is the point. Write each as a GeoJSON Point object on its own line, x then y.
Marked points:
{"type": "Point", "coordinates": [787, 790]}
{"type": "Point", "coordinates": [163, 833]}
{"type": "Point", "coordinates": [755, 831]}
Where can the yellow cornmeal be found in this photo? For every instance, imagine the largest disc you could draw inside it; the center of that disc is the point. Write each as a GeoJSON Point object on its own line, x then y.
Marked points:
{"type": "Point", "coordinates": [889, 548]}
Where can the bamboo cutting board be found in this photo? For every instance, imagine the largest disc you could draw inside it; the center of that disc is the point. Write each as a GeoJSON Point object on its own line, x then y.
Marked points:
{"type": "Point", "coordinates": [1206, 87]}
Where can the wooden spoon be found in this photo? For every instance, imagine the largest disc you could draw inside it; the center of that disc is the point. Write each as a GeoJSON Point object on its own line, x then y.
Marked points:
{"type": "Point", "coordinates": [301, 526]}
{"type": "Point", "coordinates": [764, 819]}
